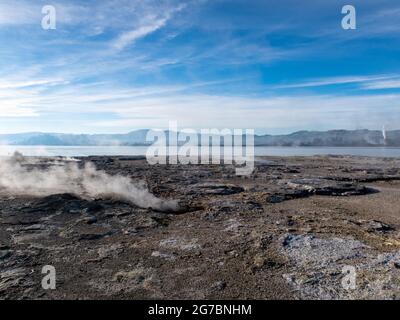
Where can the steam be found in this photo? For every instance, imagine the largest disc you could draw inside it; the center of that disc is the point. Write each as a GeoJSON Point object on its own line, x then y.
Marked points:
{"type": "Point", "coordinates": [19, 177]}
{"type": "Point", "coordinates": [384, 134]}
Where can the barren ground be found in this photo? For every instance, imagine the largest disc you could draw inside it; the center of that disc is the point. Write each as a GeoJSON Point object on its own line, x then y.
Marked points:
{"type": "Point", "coordinates": [285, 232]}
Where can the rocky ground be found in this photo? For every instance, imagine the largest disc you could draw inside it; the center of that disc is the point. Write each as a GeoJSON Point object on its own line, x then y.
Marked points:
{"type": "Point", "coordinates": [285, 232]}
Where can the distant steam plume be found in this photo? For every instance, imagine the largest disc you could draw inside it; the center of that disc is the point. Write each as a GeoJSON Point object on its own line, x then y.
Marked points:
{"type": "Point", "coordinates": [384, 134]}
{"type": "Point", "coordinates": [16, 178]}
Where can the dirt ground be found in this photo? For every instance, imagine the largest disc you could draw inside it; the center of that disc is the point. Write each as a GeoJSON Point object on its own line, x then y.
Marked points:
{"type": "Point", "coordinates": [285, 232]}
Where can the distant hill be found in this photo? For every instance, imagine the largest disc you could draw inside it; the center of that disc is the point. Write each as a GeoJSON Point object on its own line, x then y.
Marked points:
{"type": "Point", "coordinates": [59, 139]}
{"type": "Point", "coordinates": [333, 138]}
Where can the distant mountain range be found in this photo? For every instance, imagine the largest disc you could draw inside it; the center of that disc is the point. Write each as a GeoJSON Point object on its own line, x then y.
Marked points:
{"type": "Point", "coordinates": [333, 138]}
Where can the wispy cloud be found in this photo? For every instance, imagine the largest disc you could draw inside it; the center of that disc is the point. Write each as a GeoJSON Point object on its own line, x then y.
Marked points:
{"type": "Point", "coordinates": [18, 12]}
{"type": "Point", "coordinates": [151, 25]}
{"type": "Point", "coordinates": [130, 37]}
{"type": "Point", "coordinates": [334, 81]}
{"type": "Point", "coordinates": [30, 83]}
{"type": "Point", "coordinates": [386, 84]}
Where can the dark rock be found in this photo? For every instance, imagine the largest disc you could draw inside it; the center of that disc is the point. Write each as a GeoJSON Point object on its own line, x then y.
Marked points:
{"type": "Point", "coordinates": [4, 254]}
{"type": "Point", "coordinates": [65, 203]}
{"type": "Point", "coordinates": [131, 158]}
{"type": "Point", "coordinates": [56, 200]}
{"type": "Point", "coordinates": [34, 227]}
{"type": "Point", "coordinates": [93, 207]}
{"type": "Point", "coordinates": [219, 286]}
{"type": "Point", "coordinates": [214, 189]}
{"type": "Point", "coordinates": [264, 241]}
{"type": "Point", "coordinates": [89, 219]}
{"type": "Point", "coordinates": [94, 236]}
{"type": "Point", "coordinates": [130, 231]}
{"type": "Point", "coordinates": [272, 264]}
{"type": "Point", "coordinates": [297, 193]}
{"type": "Point", "coordinates": [73, 207]}
{"type": "Point", "coordinates": [379, 226]}
{"type": "Point", "coordinates": [288, 194]}
{"type": "Point", "coordinates": [276, 198]}
{"type": "Point", "coordinates": [330, 187]}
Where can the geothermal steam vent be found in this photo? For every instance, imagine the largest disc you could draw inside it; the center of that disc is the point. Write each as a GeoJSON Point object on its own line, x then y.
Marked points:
{"type": "Point", "coordinates": [19, 176]}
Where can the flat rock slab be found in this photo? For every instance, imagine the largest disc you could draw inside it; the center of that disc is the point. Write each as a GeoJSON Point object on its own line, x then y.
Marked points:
{"type": "Point", "coordinates": [329, 187]}
{"type": "Point", "coordinates": [308, 250]}
{"type": "Point", "coordinates": [288, 194]}
{"type": "Point", "coordinates": [214, 189]}
{"type": "Point", "coordinates": [320, 268]}
{"type": "Point", "coordinates": [374, 226]}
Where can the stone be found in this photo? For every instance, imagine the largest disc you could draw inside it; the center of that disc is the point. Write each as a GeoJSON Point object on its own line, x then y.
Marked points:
{"type": "Point", "coordinates": [4, 254]}
{"type": "Point", "coordinates": [218, 286]}
{"type": "Point", "coordinates": [162, 255]}
{"type": "Point", "coordinates": [214, 189]}
{"type": "Point", "coordinates": [379, 226]}
{"type": "Point", "coordinates": [288, 194]}
{"type": "Point", "coordinates": [89, 219]}
{"type": "Point", "coordinates": [94, 236]}
{"type": "Point", "coordinates": [329, 187]}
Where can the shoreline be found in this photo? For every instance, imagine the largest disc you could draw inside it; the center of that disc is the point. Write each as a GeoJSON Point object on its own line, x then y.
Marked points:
{"type": "Point", "coordinates": [379, 152]}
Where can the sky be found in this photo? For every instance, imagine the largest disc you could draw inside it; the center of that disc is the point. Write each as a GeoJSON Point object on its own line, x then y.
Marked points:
{"type": "Point", "coordinates": [276, 66]}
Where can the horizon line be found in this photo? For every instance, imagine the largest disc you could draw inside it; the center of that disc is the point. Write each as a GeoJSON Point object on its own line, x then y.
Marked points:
{"type": "Point", "coordinates": [197, 131]}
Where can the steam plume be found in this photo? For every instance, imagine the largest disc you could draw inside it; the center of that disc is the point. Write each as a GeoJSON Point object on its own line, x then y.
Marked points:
{"type": "Point", "coordinates": [384, 134]}
{"type": "Point", "coordinates": [17, 179]}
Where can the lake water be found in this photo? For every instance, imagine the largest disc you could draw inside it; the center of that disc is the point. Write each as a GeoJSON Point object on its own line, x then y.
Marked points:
{"type": "Point", "coordinates": [76, 151]}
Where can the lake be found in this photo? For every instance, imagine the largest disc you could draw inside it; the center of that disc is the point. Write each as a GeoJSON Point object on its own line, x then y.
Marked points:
{"type": "Point", "coordinates": [75, 151]}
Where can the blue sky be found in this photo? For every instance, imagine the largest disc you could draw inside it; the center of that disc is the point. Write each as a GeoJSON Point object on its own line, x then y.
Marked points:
{"type": "Point", "coordinates": [274, 66]}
